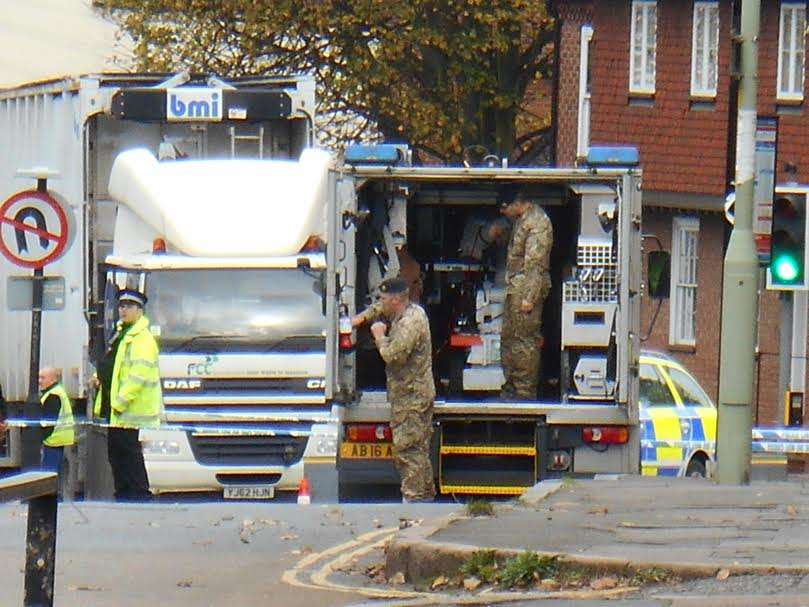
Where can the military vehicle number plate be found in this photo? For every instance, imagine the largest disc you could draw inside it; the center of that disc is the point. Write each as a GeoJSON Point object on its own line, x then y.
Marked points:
{"type": "Point", "coordinates": [366, 450]}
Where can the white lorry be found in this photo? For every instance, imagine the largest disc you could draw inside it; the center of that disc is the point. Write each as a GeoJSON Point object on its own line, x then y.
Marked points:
{"type": "Point", "coordinates": [385, 214]}
{"type": "Point", "coordinates": [217, 236]}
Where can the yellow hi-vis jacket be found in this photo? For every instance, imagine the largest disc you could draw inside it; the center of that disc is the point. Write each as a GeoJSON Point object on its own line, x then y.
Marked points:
{"type": "Point", "coordinates": [136, 400]}
{"type": "Point", "coordinates": [62, 434]}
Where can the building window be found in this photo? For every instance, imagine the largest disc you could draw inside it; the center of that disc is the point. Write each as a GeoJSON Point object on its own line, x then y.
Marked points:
{"type": "Point", "coordinates": [705, 48]}
{"type": "Point", "coordinates": [644, 47]}
{"type": "Point", "coordinates": [682, 319]}
{"type": "Point", "coordinates": [583, 143]}
{"type": "Point", "coordinates": [791, 42]}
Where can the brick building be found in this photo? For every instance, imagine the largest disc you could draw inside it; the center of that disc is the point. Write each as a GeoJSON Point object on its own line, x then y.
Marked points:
{"type": "Point", "coordinates": [656, 74]}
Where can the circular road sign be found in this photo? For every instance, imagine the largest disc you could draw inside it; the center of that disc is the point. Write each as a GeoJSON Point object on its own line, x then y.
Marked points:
{"type": "Point", "coordinates": [34, 229]}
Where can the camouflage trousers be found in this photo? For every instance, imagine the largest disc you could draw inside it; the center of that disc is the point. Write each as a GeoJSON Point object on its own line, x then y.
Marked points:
{"type": "Point", "coordinates": [520, 350]}
{"type": "Point", "coordinates": [412, 431]}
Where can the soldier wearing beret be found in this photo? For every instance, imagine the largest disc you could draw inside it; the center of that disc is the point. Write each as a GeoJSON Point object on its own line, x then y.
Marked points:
{"type": "Point", "coordinates": [405, 345]}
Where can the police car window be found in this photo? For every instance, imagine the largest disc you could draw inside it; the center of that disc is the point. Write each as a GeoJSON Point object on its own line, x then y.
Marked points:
{"type": "Point", "coordinates": [690, 392]}
{"type": "Point", "coordinates": [653, 390]}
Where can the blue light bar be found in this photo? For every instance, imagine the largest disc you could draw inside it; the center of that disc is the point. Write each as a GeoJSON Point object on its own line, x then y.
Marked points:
{"type": "Point", "coordinates": [383, 153]}
{"type": "Point", "coordinates": [613, 156]}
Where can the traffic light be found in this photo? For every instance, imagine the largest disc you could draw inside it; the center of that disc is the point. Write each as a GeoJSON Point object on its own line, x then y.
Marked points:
{"type": "Point", "coordinates": [787, 270]}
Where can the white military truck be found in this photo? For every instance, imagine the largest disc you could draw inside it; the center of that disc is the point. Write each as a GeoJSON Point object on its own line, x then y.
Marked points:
{"type": "Point", "coordinates": [167, 183]}
{"type": "Point", "coordinates": [384, 215]}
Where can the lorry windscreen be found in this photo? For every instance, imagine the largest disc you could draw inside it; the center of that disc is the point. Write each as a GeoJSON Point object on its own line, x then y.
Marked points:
{"type": "Point", "coordinates": [237, 309]}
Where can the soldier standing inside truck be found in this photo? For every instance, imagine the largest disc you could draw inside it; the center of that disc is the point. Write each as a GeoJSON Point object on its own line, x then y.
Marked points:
{"type": "Point", "coordinates": [527, 285]}
{"type": "Point", "coordinates": [405, 345]}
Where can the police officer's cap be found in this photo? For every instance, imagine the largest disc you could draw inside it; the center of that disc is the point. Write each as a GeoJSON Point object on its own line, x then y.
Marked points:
{"type": "Point", "coordinates": [393, 286]}
{"type": "Point", "coordinates": [131, 295]}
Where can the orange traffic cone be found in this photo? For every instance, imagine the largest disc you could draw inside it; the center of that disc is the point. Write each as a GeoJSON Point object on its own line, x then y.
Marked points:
{"type": "Point", "coordinates": [304, 496]}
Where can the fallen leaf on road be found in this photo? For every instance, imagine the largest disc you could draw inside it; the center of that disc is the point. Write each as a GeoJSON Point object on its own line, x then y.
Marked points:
{"type": "Point", "coordinates": [438, 582]}
{"type": "Point", "coordinates": [228, 517]}
{"type": "Point", "coordinates": [289, 536]}
{"type": "Point", "coordinates": [203, 542]}
{"type": "Point", "coordinates": [85, 588]}
{"type": "Point", "coordinates": [471, 583]}
{"type": "Point", "coordinates": [601, 510]}
{"type": "Point", "coordinates": [723, 574]}
{"type": "Point", "coordinates": [792, 510]}
{"type": "Point", "coordinates": [184, 584]}
{"type": "Point", "coordinates": [268, 522]}
{"type": "Point", "coordinates": [604, 583]}
{"type": "Point", "coordinates": [398, 579]}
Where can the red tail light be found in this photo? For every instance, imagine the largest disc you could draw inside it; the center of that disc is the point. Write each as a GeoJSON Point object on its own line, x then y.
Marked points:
{"type": "Point", "coordinates": [369, 433]}
{"type": "Point", "coordinates": [605, 435]}
{"type": "Point", "coordinates": [346, 341]}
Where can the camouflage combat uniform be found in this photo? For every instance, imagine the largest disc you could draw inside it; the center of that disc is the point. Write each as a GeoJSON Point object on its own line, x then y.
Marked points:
{"type": "Point", "coordinates": [407, 352]}
{"type": "Point", "coordinates": [527, 278]}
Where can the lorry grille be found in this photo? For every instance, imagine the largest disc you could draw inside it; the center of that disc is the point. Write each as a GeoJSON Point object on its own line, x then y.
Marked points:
{"type": "Point", "coordinates": [212, 450]}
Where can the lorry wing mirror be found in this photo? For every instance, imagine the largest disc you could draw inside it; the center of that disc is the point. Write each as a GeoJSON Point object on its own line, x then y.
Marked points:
{"type": "Point", "coordinates": [658, 274]}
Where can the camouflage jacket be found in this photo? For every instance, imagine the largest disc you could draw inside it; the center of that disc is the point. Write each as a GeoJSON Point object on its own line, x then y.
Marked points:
{"type": "Point", "coordinates": [407, 352]}
{"type": "Point", "coordinates": [529, 251]}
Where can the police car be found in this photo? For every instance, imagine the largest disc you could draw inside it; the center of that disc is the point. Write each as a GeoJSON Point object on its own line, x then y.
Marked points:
{"type": "Point", "coordinates": [677, 418]}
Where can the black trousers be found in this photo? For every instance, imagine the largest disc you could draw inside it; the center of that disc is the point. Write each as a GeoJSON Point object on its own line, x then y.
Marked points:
{"type": "Point", "coordinates": [128, 469]}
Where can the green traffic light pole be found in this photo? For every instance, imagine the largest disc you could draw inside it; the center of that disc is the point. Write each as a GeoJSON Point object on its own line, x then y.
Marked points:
{"type": "Point", "coordinates": [740, 278]}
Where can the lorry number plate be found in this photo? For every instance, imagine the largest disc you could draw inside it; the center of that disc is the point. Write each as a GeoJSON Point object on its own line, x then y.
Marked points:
{"type": "Point", "coordinates": [366, 450]}
{"type": "Point", "coordinates": [249, 493]}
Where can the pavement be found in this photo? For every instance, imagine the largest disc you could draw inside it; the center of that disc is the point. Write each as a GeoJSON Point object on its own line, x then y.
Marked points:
{"type": "Point", "coordinates": [717, 536]}
{"type": "Point", "coordinates": [226, 553]}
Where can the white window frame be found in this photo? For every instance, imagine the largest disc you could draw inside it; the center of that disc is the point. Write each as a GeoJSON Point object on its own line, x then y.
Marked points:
{"type": "Point", "coordinates": [646, 85]}
{"type": "Point", "coordinates": [704, 54]}
{"type": "Point", "coordinates": [684, 264]}
{"type": "Point", "coordinates": [795, 11]}
{"type": "Point", "coordinates": [583, 141]}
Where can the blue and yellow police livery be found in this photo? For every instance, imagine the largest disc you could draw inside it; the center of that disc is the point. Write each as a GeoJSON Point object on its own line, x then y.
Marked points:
{"type": "Point", "coordinates": [678, 420]}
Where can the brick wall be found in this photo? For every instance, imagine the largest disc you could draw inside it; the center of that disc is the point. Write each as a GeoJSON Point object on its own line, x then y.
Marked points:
{"type": "Point", "coordinates": [793, 126]}
{"type": "Point", "coordinates": [701, 360]}
{"type": "Point", "coordinates": [683, 142]}
{"type": "Point", "coordinates": [572, 16]}
{"type": "Point", "coordinates": [683, 146]}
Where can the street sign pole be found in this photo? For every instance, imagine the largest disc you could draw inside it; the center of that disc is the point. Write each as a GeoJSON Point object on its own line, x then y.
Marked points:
{"type": "Point", "coordinates": [34, 231]}
{"type": "Point", "coordinates": [740, 278]}
{"type": "Point", "coordinates": [32, 435]}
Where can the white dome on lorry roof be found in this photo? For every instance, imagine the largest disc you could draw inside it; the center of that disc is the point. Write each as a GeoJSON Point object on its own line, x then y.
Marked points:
{"type": "Point", "coordinates": [226, 208]}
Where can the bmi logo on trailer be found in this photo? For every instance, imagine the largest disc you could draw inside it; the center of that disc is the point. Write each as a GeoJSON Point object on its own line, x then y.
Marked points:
{"type": "Point", "coordinates": [193, 103]}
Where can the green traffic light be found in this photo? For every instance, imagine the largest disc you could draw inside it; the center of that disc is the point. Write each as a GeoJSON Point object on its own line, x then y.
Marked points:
{"type": "Point", "coordinates": [786, 268]}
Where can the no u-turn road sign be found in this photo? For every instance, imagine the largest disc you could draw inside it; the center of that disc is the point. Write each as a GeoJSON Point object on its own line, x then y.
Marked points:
{"type": "Point", "coordinates": [34, 229]}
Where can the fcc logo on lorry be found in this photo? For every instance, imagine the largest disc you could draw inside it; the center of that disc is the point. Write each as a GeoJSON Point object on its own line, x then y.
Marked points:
{"type": "Point", "coordinates": [194, 104]}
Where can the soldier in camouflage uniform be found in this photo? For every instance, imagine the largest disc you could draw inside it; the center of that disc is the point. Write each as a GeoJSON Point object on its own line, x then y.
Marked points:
{"type": "Point", "coordinates": [527, 285]}
{"type": "Point", "coordinates": [406, 347]}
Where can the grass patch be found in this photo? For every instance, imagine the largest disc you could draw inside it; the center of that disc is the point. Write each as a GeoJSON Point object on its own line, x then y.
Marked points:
{"type": "Point", "coordinates": [521, 570]}
{"type": "Point", "coordinates": [482, 565]}
{"type": "Point", "coordinates": [527, 568]}
{"type": "Point", "coordinates": [478, 507]}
